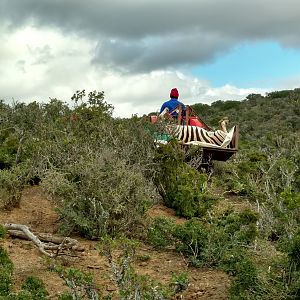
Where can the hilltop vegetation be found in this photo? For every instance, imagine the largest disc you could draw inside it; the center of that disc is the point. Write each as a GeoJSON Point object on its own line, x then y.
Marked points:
{"type": "Point", "coordinates": [262, 118]}
{"type": "Point", "coordinates": [105, 173]}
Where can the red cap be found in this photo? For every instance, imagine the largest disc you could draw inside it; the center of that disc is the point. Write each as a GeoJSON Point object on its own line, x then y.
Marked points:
{"type": "Point", "coordinates": [174, 93]}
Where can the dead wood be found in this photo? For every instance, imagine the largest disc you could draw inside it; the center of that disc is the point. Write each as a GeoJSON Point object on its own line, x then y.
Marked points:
{"type": "Point", "coordinates": [44, 241]}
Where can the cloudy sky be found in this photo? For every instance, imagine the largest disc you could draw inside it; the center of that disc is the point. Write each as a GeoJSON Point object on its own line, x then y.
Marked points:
{"type": "Point", "coordinates": [137, 50]}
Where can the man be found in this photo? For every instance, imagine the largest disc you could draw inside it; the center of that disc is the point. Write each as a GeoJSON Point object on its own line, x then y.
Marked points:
{"type": "Point", "coordinates": [173, 103]}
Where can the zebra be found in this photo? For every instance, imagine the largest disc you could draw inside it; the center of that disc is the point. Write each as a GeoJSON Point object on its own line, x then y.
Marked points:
{"type": "Point", "coordinates": [193, 134]}
{"type": "Point", "coordinates": [187, 134]}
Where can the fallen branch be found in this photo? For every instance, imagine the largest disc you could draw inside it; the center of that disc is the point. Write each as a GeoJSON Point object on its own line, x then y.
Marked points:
{"type": "Point", "coordinates": [46, 237]}
{"type": "Point", "coordinates": [58, 244]}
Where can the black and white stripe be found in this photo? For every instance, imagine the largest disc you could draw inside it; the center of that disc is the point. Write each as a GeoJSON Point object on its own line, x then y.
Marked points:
{"type": "Point", "coordinates": [187, 134]}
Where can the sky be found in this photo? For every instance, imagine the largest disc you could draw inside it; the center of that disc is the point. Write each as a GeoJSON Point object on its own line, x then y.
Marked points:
{"type": "Point", "coordinates": [136, 51]}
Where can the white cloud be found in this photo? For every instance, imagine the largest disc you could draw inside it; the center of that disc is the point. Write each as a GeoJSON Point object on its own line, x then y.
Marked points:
{"type": "Point", "coordinates": [230, 92]}
{"type": "Point", "coordinates": [142, 36]}
{"type": "Point", "coordinates": [38, 64]}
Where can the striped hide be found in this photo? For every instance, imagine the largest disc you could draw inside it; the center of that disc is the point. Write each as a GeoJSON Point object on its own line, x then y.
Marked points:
{"type": "Point", "coordinates": [187, 134]}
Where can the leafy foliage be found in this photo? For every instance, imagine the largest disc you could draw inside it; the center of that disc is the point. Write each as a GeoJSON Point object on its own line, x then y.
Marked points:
{"type": "Point", "coordinates": [266, 172]}
{"type": "Point", "coordinates": [223, 243]}
{"type": "Point", "coordinates": [131, 285]}
{"type": "Point", "coordinates": [205, 245]}
{"type": "Point", "coordinates": [95, 166]}
{"type": "Point", "coordinates": [6, 272]}
{"type": "Point", "coordinates": [179, 282]}
{"type": "Point", "coordinates": [80, 284]}
{"type": "Point", "coordinates": [35, 287]}
{"type": "Point", "coordinates": [181, 186]}
{"type": "Point", "coordinates": [11, 186]}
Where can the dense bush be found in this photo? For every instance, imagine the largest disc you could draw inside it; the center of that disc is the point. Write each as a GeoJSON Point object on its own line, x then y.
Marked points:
{"type": "Point", "coordinates": [245, 283]}
{"type": "Point", "coordinates": [100, 172]}
{"type": "Point", "coordinates": [33, 288]}
{"type": "Point", "coordinates": [100, 194]}
{"type": "Point", "coordinates": [12, 182]}
{"type": "Point", "coordinates": [181, 186]}
{"type": "Point", "coordinates": [205, 244]}
{"type": "Point", "coordinates": [97, 167]}
{"type": "Point", "coordinates": [6, 268]}
{"type": "Point", "coordinates": [6, 272]}
{"type": "Point", "coordinates": [80, 284]}
{"type": "Point", "coordinates": [224, 243]}
{"type": "Point", "coordinates": [161, 232]}
{"type": "Point", "coordinates": [266, 172]}
{"type": "Point", "coordinates": [221, 243]}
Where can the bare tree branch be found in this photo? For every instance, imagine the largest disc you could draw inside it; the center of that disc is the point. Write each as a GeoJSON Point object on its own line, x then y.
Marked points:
{"type": "Point", "coordinates": [57, 244]}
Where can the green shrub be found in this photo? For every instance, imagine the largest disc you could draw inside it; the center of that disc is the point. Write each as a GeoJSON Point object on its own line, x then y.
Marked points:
{"type": "Point", "coordinates": [80, 284]}
{"type": "Point", "coordinates": [283, 282]}
{"type": "Point", "coordinates": [181, 186]}
{"type": "Point", "coordinates": [160, 233]}
{"type": "Point", "coordinates": [291, 200]}
{"type": "Point", "coordinates": [245, 281]}
{"type": "Point", "coordinates": [191, 238]}
{"type": "Point", "coordinates": [130, 285]}
{"type": "Point", "coordinates": [221, 243]}
{"type": "Point", "coordinates": [294, 251]}
{"type": "Point", "coordinates": [11, 185]}
{"type": "Point", "coordinates": [8, 149]}
{"type": "Point", "coordinates": [100, 194]}
{"type": "Point", "coordinates": [99, 169]}
{"type": "Point", "coordinates": [5, 282]}
{"type": "Point", "coordinates": [202, 243]}
{"type": "Point", "coordinates": [35, 287]}
{"type": "Point", "coordinates": [32, 289]}
{"type": "Point", "coordinates": [179, 282]}
{"type": "Point", "coordinates": [6, 272]}
{"type": "Point", "coordinates": [65, 296]}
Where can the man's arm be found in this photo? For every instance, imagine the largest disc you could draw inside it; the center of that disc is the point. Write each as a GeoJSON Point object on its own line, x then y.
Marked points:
{"type": "Point", "coordinates": [162, 107]}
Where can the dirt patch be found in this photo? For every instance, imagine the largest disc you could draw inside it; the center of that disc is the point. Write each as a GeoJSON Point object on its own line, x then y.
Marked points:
{"type": "Point", "coordinates": [160, 210]}
{"type": "Point", "coordinates": [37, 212]}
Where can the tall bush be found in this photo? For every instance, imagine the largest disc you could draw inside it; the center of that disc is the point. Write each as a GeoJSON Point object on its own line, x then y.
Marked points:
{"type": "Point", "coordinates": [101, 171]}
{"type": "Point", "coordinates": [181, 186]}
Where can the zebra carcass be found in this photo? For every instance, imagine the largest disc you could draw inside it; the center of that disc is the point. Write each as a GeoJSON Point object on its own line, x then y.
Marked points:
{"type": "Point", "coordinates": [210, 145]}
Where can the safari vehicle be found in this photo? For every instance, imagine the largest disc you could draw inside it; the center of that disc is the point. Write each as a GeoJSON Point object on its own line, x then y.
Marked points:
{"type": "Point", "coordinates": [207, 150]}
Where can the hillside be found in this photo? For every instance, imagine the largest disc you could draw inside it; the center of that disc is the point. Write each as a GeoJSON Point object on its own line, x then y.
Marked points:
{"type": "Point", "coordinates": [163, 229]}
{"type": "Point", "coordinates": [37, 212]}
{"type": "Point", "coordinates": [278, 113]}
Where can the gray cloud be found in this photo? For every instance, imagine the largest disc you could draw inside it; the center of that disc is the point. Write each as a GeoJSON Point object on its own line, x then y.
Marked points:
{"type": "Point", "coordinates": [160, 52]}
{"type": "Point", "coordinates": [141, 18]}
{"type": "Point", "coordinates": [119, 54]}
{"type": "Point", "coordinates": [140, 35]}
{"type": "Point", "coordinates": [42, 54]}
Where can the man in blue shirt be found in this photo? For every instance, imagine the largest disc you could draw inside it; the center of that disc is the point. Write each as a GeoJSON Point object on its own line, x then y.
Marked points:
{"type": "Point", "coordinates": [173, 103]}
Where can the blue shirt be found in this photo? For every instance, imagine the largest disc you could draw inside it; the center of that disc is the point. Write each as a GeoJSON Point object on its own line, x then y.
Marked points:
{"type": "Point", "coordinates": [171, 105]}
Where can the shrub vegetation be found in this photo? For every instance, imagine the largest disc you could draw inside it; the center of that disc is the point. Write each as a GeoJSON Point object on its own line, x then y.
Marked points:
{"type": "Point", "coordinates": [104, 173]}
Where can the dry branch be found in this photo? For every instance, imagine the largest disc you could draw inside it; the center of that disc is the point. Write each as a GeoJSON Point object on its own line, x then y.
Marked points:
{"type": "Point", "coordinates": [57, 244]}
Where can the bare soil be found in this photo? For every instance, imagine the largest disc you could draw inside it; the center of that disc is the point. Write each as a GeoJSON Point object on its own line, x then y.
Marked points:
{"type": "Point", "coordinates": [37, 212]}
